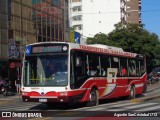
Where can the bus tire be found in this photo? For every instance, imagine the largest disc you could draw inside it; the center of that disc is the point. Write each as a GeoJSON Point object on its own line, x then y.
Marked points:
{"type": "Point", "coordinates": [93, 98]}
{"type": "Point", "coordinates": [132, 92]}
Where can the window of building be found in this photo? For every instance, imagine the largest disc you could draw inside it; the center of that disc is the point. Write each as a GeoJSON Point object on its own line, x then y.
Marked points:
{"type": "Point", "coordinates": [128, 6]}
{"type": "Point", "coordinates": [78, 27]}
{"type": "Point", "coordinates": [77, 8]}
{"type": "Point", "coordinates": [77, 18]}
{"type": "Point", "coordinates": [76, 1]}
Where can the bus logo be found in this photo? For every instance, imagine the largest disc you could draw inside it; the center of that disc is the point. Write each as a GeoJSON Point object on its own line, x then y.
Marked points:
{"type": "Point", "coordinates": [28, 50]}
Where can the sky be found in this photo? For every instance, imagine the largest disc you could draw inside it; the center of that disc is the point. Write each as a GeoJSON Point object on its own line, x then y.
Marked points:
{"type": "Point", "coordinates": [151, 15]}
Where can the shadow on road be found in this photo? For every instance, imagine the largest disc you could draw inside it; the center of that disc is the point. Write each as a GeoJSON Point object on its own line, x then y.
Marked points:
{"type": "Point", "coordinates": [62, 107]}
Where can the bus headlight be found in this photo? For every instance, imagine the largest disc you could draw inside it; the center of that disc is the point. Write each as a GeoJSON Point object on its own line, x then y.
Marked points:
{"type": "Point", "coordinates": [24, 93]}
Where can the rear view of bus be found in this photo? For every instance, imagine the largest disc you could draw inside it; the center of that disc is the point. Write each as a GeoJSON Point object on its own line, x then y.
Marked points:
{"type": "Point", "coordinates": [45, 73]}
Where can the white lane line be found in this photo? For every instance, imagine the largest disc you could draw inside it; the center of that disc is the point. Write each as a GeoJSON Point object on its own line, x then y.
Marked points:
{"type": "Point", "coordinates": [132, 107]}
{"type": "Point", "coordinates": [120, 105]}
{"type": "Point", "coordinates": [149, 108]}
{"type": "Point", "coordinates": [141, 105]}
{"type": "Point", "coordinates": [102, 105]}
{"type": "Point", "coordinates": [95, 109]}
{"type": "Point", "coordinates": [110, 106]}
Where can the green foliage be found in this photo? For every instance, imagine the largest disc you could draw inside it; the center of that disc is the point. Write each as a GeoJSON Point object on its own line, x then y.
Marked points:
{"type": "Point", "coordinates": [132, 38]}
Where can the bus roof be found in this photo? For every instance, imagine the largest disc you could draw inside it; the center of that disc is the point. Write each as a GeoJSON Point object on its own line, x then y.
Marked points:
{"type": "Point", "coordinates": [107, 47]}
{"type": "Point", "coordinates": [98, 48]}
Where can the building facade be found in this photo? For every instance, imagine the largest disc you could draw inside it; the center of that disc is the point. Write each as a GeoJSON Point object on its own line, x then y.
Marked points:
{"type": "Point", "coordinates": [90, 17]}
{"type": "Point", "coordinates": [27, 21]}
{"type": "Point", "coordinates": [133, 10]}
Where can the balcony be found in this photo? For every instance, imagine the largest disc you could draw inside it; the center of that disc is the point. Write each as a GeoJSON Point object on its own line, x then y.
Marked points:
{"type": "Point", "coordinates": [77, 22]}
{"type": "Point", "coordinates": [76, 4]}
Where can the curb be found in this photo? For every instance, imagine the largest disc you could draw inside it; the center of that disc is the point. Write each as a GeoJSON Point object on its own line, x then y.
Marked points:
{"type": "Point", "coordinates": [153, 87]}
{"type": "Point", "coordinates": [10, 98]}
{"type": "Point", "coordinates": [150, 98]}
{"type": "Point", "coordinates": [138, 100]}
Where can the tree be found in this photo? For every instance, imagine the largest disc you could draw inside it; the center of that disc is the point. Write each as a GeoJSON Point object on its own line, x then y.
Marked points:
{"type": "Point", "coordinates": [132, 38]}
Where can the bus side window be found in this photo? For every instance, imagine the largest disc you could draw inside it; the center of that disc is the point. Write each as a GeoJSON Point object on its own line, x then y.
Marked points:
{"type": "Point", "coordinates": [78, 68]}
{"type": "Point", "coordinates": [137, 68]}
{"type": "Point", "coordinates": [103, 71]}
{"type": "Point", "coordinates": [115, 64]}
{"type": "Point", "coordinates": [142, 67]}
{"type": "Point", "coordinates": [132, 68]}
{"type": "Point", "coordinates": [123, 69]}
{"type": "Point", "coordinates": [94, 67]}
{"type": "Point", "coordinates": [105, 63]}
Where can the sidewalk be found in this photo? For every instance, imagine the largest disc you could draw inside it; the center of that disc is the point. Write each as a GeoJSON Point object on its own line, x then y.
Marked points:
{"type": "Point", "coordinates": [13, 97]}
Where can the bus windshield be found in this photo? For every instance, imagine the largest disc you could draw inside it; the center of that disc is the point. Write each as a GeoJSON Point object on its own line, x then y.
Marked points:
{"type": "Point", "coordinates": [46, 70]}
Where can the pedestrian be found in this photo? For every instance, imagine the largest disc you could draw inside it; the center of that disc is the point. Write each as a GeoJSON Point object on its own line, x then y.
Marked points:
{"type": "Point", "coordinates": [18, 83]}
{"type": "Point", "coordinates": [124, 71]}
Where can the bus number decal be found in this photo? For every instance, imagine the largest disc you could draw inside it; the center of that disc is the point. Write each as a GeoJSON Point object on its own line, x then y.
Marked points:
{"type": "Point", "coordinates": [111, 75]}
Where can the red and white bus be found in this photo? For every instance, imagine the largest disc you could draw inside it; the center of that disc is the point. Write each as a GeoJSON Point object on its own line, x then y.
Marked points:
{"type": "Point", "coordinates": [59, 72]}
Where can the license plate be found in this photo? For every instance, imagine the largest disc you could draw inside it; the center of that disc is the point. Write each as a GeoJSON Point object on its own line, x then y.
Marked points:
{"type": "Point", "coordinates": [42, 100]}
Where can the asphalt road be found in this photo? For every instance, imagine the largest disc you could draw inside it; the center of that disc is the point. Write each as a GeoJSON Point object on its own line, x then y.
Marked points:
{"type": "Point", "coordinates": [149, 103]}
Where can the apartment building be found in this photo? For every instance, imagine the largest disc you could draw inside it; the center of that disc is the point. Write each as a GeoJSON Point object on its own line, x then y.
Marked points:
{"type": "Point", "coordinates": [133, 10]}
{"type": "Point", "coordinates": [27, 21]}
{"type": "Point", "coordinates": [90, 17]}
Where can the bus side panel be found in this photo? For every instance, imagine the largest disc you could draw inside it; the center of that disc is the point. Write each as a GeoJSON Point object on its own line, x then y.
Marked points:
{"type": "Point", "coordinates": [122, 88]}
{"type": "Point", "coordinates": [98, 84]}
{"type": "Point", "coordinates": [105, 89]}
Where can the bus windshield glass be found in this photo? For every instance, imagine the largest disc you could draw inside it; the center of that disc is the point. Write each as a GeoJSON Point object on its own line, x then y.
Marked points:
{"type": "Point", "coordinates": [46, 70]}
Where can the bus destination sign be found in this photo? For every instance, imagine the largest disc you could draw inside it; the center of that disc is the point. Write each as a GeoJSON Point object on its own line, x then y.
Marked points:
{"type": "Point", "coordinates": [46, 49]}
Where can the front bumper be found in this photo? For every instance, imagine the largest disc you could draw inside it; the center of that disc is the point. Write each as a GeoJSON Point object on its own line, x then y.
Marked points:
{"type": "Point", "coordinates": [62, 99]}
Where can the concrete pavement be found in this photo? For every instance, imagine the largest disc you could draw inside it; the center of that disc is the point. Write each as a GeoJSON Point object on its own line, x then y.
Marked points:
{"type": "Point", "coordinates": [153, 92]}
{"type": "Point", "coordinates": [11, 97]}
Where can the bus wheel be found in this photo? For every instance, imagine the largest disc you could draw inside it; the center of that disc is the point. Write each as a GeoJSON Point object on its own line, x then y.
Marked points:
{"type": "Point", "coordinates": [93, 98]}
{"type": "Point", "coordinates": [132, 92]}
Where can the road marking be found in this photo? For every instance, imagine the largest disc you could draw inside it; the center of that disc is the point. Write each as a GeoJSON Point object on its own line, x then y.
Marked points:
{"type": "Point", "coordinates": [2, 102]}
{"type": "Point", "coordinates": [110, 106]}
{"type": "Point", "coordinates": [141, 105]}
{"type": "Point", "coordinates": [132, 107]}
{"type": "Point", "coordinates": [18, 107]}
{"type": "Point", "coordinates": [101, 105]}
{"type": "Point", "coordinates": [135, 100]}
{"type": "Point", "coordinates": [94, 109]}
{"type": "Point", "coordinates": [149, 108]}
{"type": "Point", "coordinates": [125, 104]}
